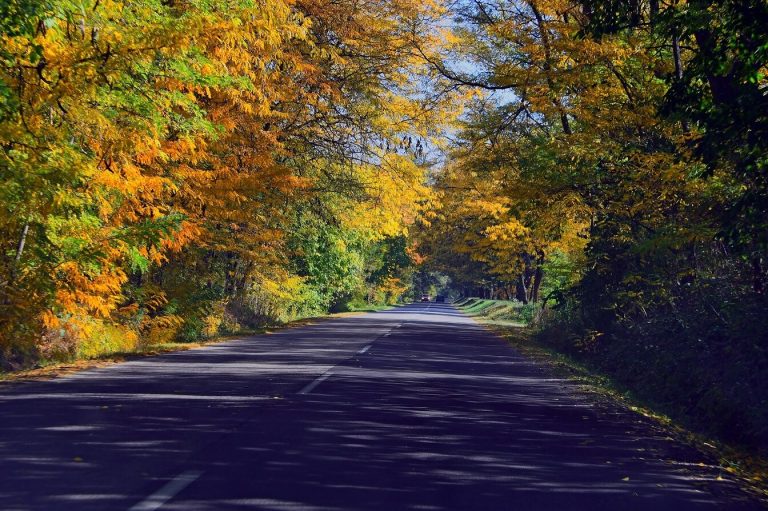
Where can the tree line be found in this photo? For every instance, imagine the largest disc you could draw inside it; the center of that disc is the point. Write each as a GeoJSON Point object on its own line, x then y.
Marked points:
{"type": "Point", "coordinates": [615, 175]}
{"type": "Point", "coordinates": [176, 169]}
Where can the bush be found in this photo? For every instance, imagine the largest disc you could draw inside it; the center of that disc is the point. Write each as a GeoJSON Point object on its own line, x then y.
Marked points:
{"type": "Point", "coordinates": [106, 339]}
{"type": "Point", "coordinates": [707, 370]}
{"type": "Point", "coordinates": [86, 338]}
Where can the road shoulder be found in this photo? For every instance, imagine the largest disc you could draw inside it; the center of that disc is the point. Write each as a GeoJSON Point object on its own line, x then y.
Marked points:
{"type": "Point", "coordinates": [749, 472]}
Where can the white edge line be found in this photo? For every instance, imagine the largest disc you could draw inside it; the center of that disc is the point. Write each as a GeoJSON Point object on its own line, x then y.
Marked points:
{"type": "Point", "coordinates": [320, 379]}
{"type": "Point", "coordinates": [125, 396]}
{"type": "Point", "coordinates": [167, 492]}
{"type": "Point", "coordinates": [364, 349]}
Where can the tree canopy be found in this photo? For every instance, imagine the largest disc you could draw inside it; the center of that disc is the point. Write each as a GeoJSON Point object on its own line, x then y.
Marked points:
{"type": "Point", "coordinates": [612, 174]}
{"type": "Point", "coordinates": [169, 166]}
{"type": "Point", "coordinates": [178, 169]}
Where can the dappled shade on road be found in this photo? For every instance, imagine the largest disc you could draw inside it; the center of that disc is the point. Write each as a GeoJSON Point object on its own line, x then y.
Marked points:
{"type": "Point", "coordinates": [437, 414]}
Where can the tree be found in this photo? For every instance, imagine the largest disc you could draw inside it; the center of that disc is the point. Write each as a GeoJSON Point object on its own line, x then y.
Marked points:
{"type": "Point", "coordinates": [141, 141]}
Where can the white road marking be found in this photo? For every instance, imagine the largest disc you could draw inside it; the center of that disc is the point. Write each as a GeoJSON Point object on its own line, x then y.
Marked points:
{"type": "Point", "coordinates": [167, 492]}
{"type": "Point", "coordinates": [129, 397]}
{"type": "Point", "coordinates": [320, 379]}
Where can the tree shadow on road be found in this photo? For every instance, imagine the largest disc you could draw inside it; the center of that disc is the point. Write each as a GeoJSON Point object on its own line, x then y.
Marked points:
{"type": "Point", "coordinates": [438, 415]}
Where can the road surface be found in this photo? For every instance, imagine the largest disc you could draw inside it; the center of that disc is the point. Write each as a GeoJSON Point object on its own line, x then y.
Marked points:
{"type": "Point", "coordinates": [416, 408]}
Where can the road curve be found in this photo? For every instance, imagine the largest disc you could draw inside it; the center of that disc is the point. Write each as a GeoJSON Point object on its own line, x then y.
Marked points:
{"type": "Point", "coordinates": [417, 408]}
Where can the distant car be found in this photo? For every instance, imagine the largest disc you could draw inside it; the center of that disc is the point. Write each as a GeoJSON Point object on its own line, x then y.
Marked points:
{"type": "Point", "coordinates": [440, 299]}
{"type": "Point", "coordinates": [424, 298]}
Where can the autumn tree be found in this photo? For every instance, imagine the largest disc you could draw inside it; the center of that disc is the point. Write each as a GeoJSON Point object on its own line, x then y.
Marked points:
{"type": "Point", "coordinates": [155, 155]}
{"type": "Point", "coordinates": [624, 141]}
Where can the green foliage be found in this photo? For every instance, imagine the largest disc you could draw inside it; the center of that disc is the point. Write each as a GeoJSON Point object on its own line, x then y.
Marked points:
{"type": "Point", "coordinates": [186, 169]}
{"type": "Point", "coordinates": [330, 259]}
{"type": "Point", "coordinates": [719, 90]}
{"type": "Point", "coordinates": [701, 363]}
{"type": "Point", "coordinates": [387, 259]}
{"type": "Point", "coordinates": [17, 17]}
{"type": "Point", "coordinates": [625, 171]}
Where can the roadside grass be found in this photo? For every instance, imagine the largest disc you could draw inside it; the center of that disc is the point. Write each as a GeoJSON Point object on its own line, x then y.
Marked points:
{"type": "Point", "coordinates": [52, 368]}
{"type": "Point", "coordinates": [372, 308]}
{"type": "Point", "coordinates": [507, 320]}
{"type": "Point", "coordinates": [503, 312]}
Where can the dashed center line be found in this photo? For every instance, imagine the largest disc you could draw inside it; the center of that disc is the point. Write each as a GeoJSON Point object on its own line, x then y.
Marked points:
{"type": "Point", "coordinates": [167, 492]}
{"type": "Point", "coordinates": [177, 484]}
{"type": "Point", "coordinates": [320, 379]}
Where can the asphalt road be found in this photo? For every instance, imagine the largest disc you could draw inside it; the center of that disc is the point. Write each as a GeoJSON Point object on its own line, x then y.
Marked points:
{"type": "Point", "coordinates": [417, 408]}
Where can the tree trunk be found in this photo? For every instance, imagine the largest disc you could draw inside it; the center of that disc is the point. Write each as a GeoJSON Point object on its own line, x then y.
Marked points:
{"type": "Point", "coordinates": [528, 277]}
{"type": "Point", "coordinates": [723, 87]}
{"type": "Point", "coordinates": [538, 276]}
{"type": "Point", "coordinates": [678, 68]}
{"type": "Point", "coordinates": [757, 275]}
{"type": "Point", "coordinates": [654, 11]}
{"type": "Point", "coordinates": [548, 69]}
{"type": "Point", "coordinates": [19, 252]}
{"type": "Point", "coordinates": [521, 293]}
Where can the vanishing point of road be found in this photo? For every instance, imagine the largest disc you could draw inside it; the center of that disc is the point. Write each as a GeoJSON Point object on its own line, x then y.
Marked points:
{"type": "Point", "coordinates": [416, 408]}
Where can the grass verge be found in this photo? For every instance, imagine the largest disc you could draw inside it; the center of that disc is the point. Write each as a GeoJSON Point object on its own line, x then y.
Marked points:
{"type": "Point", "coordinates": [501, 312]}
{"type": "Point", "coordinates": [509, 319]}
{"type": "Point", "coordinates": [750, 470]}
{"type": "Point", "coordinates": [50, 370]}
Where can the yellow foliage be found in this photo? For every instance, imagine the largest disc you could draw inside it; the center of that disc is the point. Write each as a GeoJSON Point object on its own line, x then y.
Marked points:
{"type": "Point", "coordinates": [395, 193]}
{"type": "Point", "coordinates": [151, 133]}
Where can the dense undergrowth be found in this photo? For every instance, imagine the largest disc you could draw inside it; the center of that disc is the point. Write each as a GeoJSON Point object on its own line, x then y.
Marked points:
{"type": "Point", "coordinates": [176, 171]}
{"type": "Point", "coordinates": [708, 382]}
{"type": "Point", "coordinates": [706, 374]}
{"type": "Point", "coordinates": [619, 189]}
